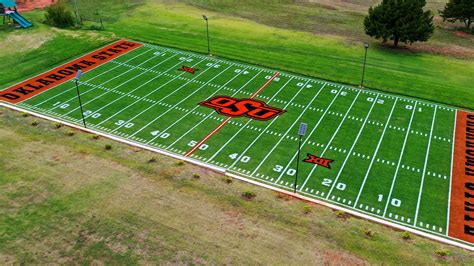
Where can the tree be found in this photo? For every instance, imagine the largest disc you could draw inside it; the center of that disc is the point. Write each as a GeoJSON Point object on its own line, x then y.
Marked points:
{"type": "Point", "coordinates": [58, 15]}
{"type": "Point", "coordinates": [400, 20]}
{"type": "Point", "coordinates": [459, 10]}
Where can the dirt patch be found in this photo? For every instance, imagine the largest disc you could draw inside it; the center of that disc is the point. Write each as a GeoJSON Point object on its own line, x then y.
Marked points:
{"type": "Point", "coordinates": [340, 258]}
{"type": "Point", "coordinates": [20, 42]}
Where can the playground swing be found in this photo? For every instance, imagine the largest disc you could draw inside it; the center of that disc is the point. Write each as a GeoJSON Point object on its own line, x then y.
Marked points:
{"type": "Point", "coordinates": [9, 11]}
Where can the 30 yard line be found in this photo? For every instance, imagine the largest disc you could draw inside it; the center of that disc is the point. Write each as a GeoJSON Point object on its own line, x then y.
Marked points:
{"type": "Point", "coordinates": [424, 168]}
{"type": "Point", "coordinates": [285, 134]}
{"type": "Point", "coordinates": [107, 92]}
{"type": "Point", "coordinates": [352, 148]}
{"type": "Point", "coordinates": [271, 123]}
{"type": "Point", "coordinates": [248, 122]}
{"type": "Point", "coordinates": [92, 78]}
{"type": "Point", "coordinates": [375, 153]}
{"type": "Point", "coordinates": [399, 161]}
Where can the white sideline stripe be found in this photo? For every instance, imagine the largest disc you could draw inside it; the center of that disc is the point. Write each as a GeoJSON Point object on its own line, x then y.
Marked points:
{"type": "Point", "coordinates": [309, 136]}
{"type": "Point", "coordinates": [107, 92]}
{"type": "Point", "coordinates": [330, 141]}
{"type": "Point", "coordinates": [211, 113]}
{"type": "Point", "coordinates": [269, 125]}
{"type": "Point", "coordinates": [424, 168]}
{"type": "Point", "coordinates": [286, 133]}
{"type": "Point", "coordinates": [451, 172]}
{"type": "Point", "coordinates": [178, 103]}
{"type": "Point", "coordinates": [130, 92]}
{"type": "Point", "coordinates": [375, 153]}
{"type": "Point", "coordinates": [92, 78]}
{"type": "Point", "coordinates": [352, 148]}
{"type": "Point", "coordinates": [399, 161]}
{"type": "Point", "coordinates": [357, 213]}
{"type": "Point", "coordinates": [248, 122]}
{"type": "Point", "coordinates": [155, 102]}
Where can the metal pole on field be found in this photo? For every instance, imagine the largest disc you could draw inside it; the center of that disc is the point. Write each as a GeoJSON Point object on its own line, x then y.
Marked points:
{"type": "Point", "coordinates": [301, 133]}
{"type": "Point", "coordinates": [366, 46]}
{"type": "Point", "coordinates": [76, 80]}
{"type": "Point", "coordinates": [207, 30]}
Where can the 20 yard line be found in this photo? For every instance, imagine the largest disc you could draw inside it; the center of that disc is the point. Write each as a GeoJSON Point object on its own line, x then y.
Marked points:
{"type": "Point", "coordinates": [352, 148]}
{"type": "Point", "coordinates": [193, 149]}
{"type": "Point", "coordinates": [330, 141]}
{"type": "Point", "coordinates": [424, 168]}
{"type": "Point", "coordinates": [248, 122]}
{"type": "Point", "coordinates": [375, 154]}
{"type": "Point", "coordinates": [399, 161]}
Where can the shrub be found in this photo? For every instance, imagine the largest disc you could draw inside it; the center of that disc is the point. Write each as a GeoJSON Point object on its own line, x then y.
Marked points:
{"type": "Point", "coordinates": [249, 194]}
{"type": "Point", "coordinates": [34, 123]}
{"type": "Point", "coordinates": [180, 163]}
{"type": "Point", "coordinates": [152, 159]}
{"type": "Point", "coordinates": [58, 125]}
{"type": "Point", "coordinates": [70, 133]}
{"type": "Point", "coordinates": [369, 233]}
{"type": "Point", "coordinates": [406, 235]}
{"type": "Point", "coordinates": [108, 146]}
{"type": "Point", "coordinates": [25, 114]}
{"type": "Point", "coordinates": [307, 209]}
{"type": "Point", "coordinates": [227, 179]}
{"type": "Point", "coordinates": [95, 136]}
{"type": "Point", "coordinates": [197, 176]}
{"type": "Point", "coordinates": [442, 252]}
{"type": "Point", "coordinates": [341, 214]}
{"type": "Point", "coordinates": [58, 15]}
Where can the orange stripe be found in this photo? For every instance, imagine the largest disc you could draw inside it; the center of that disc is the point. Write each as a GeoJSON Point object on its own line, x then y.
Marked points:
{"type": "Point", "coordinates": [459, 223]}
{"type": "Point", "coordinates": [31, 87]}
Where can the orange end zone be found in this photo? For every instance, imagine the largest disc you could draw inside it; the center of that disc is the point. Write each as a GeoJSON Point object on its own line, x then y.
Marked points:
{"type": "Point", "coordinates": [29, 88]}
{"type": "Point", "coordinates": [461, 218]}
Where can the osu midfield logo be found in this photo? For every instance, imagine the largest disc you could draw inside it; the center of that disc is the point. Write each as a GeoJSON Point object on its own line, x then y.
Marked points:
{"type": "Point", "coordinates": [250, 108]}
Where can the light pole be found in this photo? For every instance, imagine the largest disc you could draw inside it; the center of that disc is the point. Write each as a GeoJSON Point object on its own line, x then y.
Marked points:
{"type": "Point", "coordinates": [301, 133]}
{"type": "Point", "coordinates": [76, 80]}
{"type": "Point", "coordinates": [366, 46]}
{"type": "Point", "coordinates": [207, 30]}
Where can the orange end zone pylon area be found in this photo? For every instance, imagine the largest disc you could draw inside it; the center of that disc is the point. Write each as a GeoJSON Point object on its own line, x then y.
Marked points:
{"type": "Point", "coordinates": [29, 88]}
{"type": "Point", "coordinates": [461, 218]}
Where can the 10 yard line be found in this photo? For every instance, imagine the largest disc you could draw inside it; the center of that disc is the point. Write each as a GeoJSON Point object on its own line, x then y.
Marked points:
{"type": "Point", "coordinates": [424, 168]}
{"type": "Point", "coordinates": [399, 161]}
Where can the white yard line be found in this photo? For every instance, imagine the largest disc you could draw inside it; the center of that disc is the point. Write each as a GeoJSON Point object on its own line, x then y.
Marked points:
{"type": "Point", "coordinates": [175, 91]}
{"type": "Point", "coordinates": [273, 121]}
{"type": "Point", "coordinates": [210, 114]}
{"type": "Point", "coordinates": [424, 168]}
{"type": "Point", "coordinates": [132, 91]}
{"type": "Point", "coordinates": [90, 79]}
{"type": "Point", "coordinates": [114, 88]}
{"type": "Point", "coordinates": [399, 161]}
{"type": "Point", "coordinates": [451, 172]}
{"type": "Point", "coordinates": [330, 141]}
{"type": "Point", "coordinates": [375, 153]}
{"type": "Point", "coordinates": [352, 148]}
{"type": "Point", "coordinates": [248, 122]}
{"type": "Point", "coordinates": [308, 138]}
{"type": "Point", "coordinates": [286, 133]}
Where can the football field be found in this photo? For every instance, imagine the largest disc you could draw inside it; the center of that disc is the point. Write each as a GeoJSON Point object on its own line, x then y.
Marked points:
{"type": "Point", "coordinates": [382, 155]}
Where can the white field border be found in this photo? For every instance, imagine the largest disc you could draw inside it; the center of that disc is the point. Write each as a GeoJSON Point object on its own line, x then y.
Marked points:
{"type": "Point", "coordinates": [358, 213]}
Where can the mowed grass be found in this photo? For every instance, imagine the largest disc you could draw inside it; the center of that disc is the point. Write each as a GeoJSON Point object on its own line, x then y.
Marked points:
{"type": "Point", "coordinates": [114, 207]}
{"type": "Point", "coordinates": [392, 156]}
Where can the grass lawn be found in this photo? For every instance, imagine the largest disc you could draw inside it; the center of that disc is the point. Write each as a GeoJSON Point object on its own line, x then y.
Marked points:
{"type": "Point", "coordinates": [65, 199]}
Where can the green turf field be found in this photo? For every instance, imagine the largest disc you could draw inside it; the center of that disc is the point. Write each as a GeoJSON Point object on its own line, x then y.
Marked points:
{"type": "Point", "coordinates": [392, 155]}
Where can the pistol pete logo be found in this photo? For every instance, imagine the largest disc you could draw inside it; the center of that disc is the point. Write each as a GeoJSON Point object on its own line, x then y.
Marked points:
{"type": "Point", "coordinates": [250, 108]}
{"type": "Point", "coordinates": [318, 161]}
{"type": "Point", "coordinates": [191, 70]}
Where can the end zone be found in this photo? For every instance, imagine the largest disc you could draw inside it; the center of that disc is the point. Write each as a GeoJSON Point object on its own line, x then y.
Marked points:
{"type": "Point", "coordinates": [29, 88]}
{"type": "Point", "coordinates": [461, 218]}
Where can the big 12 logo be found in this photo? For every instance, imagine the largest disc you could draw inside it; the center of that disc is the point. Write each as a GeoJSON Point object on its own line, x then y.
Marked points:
{"type": "Point", "coordinates": [254, 109]}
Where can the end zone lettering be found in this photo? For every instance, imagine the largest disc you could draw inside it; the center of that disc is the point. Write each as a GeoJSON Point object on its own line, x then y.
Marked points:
{"type": "Point", "coordinates": [461, 220]}
{"type": "Point", "coordinates": [59, 75]}
{"type": "Point", "coordinates": [250, 108]}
